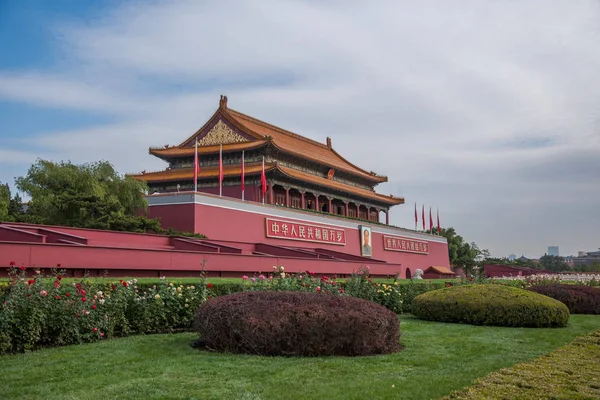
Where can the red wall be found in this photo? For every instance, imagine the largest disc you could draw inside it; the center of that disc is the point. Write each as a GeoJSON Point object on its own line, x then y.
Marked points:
{"type": "Point", "coordinates": [227, 224]}
{"type": "Point", "coordinates": [166, 263]}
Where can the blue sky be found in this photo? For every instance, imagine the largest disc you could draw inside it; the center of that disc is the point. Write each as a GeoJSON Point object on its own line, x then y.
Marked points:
{"type": "Point", "coordinates": [486, 110]}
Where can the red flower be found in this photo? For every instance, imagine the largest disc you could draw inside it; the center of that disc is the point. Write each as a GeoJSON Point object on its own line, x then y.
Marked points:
{"type": "Point", "coordinates": [56, 284]}
{"type": "Point", "coordinates": [209, 286]}
{"type": "Point", "coordinates": [94, 307]}
{"type": "Point", "coordinates": [82, 292]}
{"type": "Point", "coordinates": [210, 297]}
{"type": "Point", "coordinates": [22, 267]}
{"type": "Point", "coordinates": [95, 330]}
{"type": "Point", "coordinates": [114, 287]}
{"type": "Point", "coordinates": [59, 277]}
{"type": "Point", "coordinates": [341, 290]}
{"type": "Point", "coordinates": [58, 265]}
{"type": "Point", "coordinates": [124, 283]}
{"type": "Point", "coordinates": [324, 278]}
{"type": "Point", "coordinates": [58, 297]}
{"type": "Point", "coordinates": [68, 294]}
{"type": "Point", "coordinates": [12, 263]}
{"type": "Point", "coordinates": [30, 282]}
{"type": "Point", "coordinates": [83, 299]}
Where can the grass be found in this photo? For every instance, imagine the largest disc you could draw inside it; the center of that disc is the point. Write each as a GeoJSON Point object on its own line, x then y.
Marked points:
{"type": "Point", "coordinates": [571, 372]}
{"type": "Point", "coordinates": [438, 359]}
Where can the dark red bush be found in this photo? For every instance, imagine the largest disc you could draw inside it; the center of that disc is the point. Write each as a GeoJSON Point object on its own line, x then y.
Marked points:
{"type": "Point", "coordinates": [579, 299]}
{"type": "Point", "coordinates": [297, 324]}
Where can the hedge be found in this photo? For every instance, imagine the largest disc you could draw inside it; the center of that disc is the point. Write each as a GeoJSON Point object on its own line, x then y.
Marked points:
{"type": "Point", "coordinates": [579, 299]}
{"type": "Point", "coordinates": [297, 324]}
{"type": "Point", "coordinates": [490, 305]}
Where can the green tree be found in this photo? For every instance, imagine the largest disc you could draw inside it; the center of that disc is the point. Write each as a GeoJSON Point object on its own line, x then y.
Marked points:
{"type": "Point", "coordinates": [4, 202]}
{"type": "Point", "coordinates": [553, 263]}
{"type": "Point", "coordinates": [81, 195]}
{"type": "Point", "coordinates": [462, 253]}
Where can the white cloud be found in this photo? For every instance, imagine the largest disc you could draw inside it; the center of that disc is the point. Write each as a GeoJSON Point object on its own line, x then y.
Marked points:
{"type": "Point", "coordinates": [476, 106]}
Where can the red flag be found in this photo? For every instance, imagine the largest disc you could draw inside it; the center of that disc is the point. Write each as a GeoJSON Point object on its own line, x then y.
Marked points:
{"type": "Point", "coordinates": [221, 170]}
{"type": "Point", "coordinates": [416, 216]}
{"type": "Point", "coordinates": [438, 221]}
{"type": "Point", "coordinates": [243, 171]}
{"type": "Point", "coordinates": [430, 221]}
{"type": "Point", "coordinates": [423, 216]}
{"type": "Point", "coordinates": [263, 180]}
{"type": "Point", "coordinates": [196, 166]}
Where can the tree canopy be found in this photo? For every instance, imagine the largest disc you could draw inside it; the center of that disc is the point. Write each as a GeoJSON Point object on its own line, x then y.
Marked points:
{"type": "Point", "coordinates": [462, 254]}
{"type": "Point", "coordinates": [92, 195]}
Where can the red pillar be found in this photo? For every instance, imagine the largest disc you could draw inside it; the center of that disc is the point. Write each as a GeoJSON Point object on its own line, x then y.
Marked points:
{"type": "Point", "coordinates": [287, 197]}
{"type": "Point", "coordinates": [271, 193]}
{"type": "Point", "coordinates": [317, 203]}
{"type": "Point", "coordinates": [346, 211]}
{"type": "Point", "coordinates": [387, 217]}
{"type": "Point", "coordinates": [329, 206]}
{"type": "Point", "coordinates": [302, 200]}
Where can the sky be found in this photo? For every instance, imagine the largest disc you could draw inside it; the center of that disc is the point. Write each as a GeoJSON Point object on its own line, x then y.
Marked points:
{"type": "Point", "coordinates": [488, 111]}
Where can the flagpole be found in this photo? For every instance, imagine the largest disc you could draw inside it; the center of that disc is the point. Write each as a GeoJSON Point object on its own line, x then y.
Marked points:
{"type": "Point", "coordinates": [416, 218]}
{"type": "Point", "coordinates": [221, 170]}
{"type": "Point", "coordinates": [196, 166]}
{"type": "Point", "coordinates": [243, 172]}
{"type": "Point", "coordinates": [261, 184]}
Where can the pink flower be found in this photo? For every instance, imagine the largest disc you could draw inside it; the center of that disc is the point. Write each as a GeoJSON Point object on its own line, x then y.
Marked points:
{"type": "Point", "coordinates": [245, 277]}
{"type": "Point", "coordinates": [95, 330]}
{"type": "Point", "coordinates": [43, 293]}
{"type": "Point", "coordinates": [253, 279]}
{"type": "Point", "coordinates": [318, 288]}
{"type": "Point", "coordinates": [262, 277]}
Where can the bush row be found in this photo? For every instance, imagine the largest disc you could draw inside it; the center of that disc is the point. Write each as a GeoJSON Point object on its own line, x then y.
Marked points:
{"type": "Point", "coordinates": [39, 312]}
{"type": "Point", "coordinates": [579, 299]}
{"type": "Point", "coordinates": [293, 323]}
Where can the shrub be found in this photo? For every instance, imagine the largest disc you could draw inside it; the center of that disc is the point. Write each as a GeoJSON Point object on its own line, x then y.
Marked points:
{"type": "Point", "coordinates": [297, 324]}
{"type": "Point", "coordinates": [40, 312]}
{"type": "Point", "coordinates": [578, 298]}
{"type": "Point", "coordinates": [490, 305]}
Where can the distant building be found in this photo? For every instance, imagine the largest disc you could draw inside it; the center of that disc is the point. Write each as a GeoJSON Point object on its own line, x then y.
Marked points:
{"type": "Point", "coordinates": [512, 257]}
{"type": "Point", "coordinates": [553, 251]}
{"type": "Point", "coordinates": [589, 257]}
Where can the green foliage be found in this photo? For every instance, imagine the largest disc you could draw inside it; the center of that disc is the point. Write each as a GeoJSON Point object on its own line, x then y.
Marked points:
{"type": "Point", "coordinates": [570, 372]}
{"type": "Point", "coordinates": [580, 299]}
{"type": "Point", "coordinates": [286, 323]}
{"type": "Point", "coordinates": [39, 312]}
{"type": "Point", "coordinates": [80, 195]}
{"type": "Point", "coordinates": [90, 195]}
{"type": "Point", "coordinates": [461, 253]}
{"type": "Point", "coordinates": [4, 202]}
{"type": "Point", "coordinates": [490, 305]}
{"type": "Point", "coordinates": [553, 263]}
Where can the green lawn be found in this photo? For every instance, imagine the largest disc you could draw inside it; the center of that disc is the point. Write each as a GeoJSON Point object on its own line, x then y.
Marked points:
{"type": "Point", "coordinates": [437, 359]}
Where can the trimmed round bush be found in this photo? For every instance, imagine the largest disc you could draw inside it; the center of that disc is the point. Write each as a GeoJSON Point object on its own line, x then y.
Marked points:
{"type": "Point", "coordinates": [490, 305]}
{"type": "Point", "coordinates": [297, 324]}
{"type": "Point", "coordinates": [579, 299]}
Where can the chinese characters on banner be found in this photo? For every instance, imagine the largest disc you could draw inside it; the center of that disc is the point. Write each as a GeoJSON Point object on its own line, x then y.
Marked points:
{"type": "Point", "coordinates": [305, 232]}
{"type": "Point", "coordinates": [397, 243]}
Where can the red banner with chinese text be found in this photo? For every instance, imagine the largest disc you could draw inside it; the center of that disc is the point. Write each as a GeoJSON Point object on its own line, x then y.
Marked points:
{"type": "Point", "coordinates": [301, 231]}
{"type": "Point", "coordinates": [399, 243]}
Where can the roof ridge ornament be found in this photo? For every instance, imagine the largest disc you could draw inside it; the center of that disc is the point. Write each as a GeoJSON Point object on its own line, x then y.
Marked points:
{"type": "Point", "coordinates": [328, 142]}
{"type": "Point", "coordinates": [223, 101]}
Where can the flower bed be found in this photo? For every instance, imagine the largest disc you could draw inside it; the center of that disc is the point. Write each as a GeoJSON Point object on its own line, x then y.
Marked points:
{"type": "Point", "coordinates": [38, 312]}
